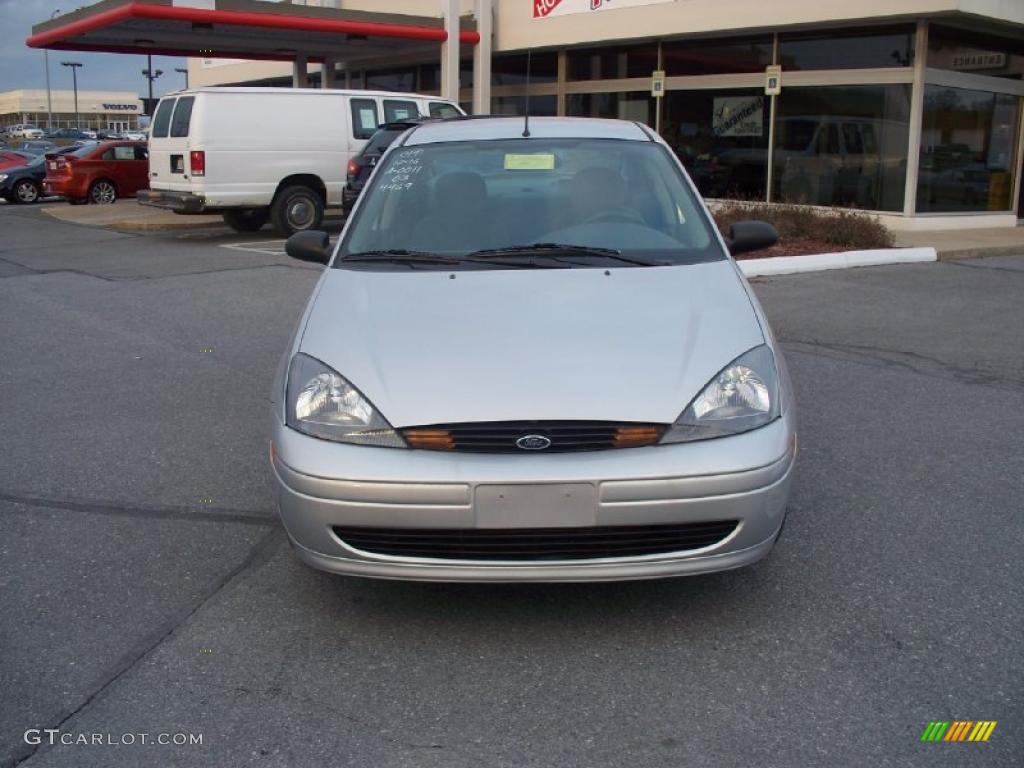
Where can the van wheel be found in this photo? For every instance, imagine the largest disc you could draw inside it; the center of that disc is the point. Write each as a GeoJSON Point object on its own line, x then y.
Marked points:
{"type": "Point", "coordinates": [296, 209]}
{"type": "Point", "coordinates": [102, 192]}
{"type": "Point", "coordinates": [246, 220]}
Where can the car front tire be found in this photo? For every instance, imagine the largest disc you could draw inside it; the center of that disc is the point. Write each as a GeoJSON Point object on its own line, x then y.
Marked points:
{"type": "Point", "coordinates": [296, 209]}
{"type": "Point", "coordinates": [26, 191]}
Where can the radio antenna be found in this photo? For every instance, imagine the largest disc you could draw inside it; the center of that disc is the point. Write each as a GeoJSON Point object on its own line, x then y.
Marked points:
{"type": "Point", "coordinates": [526, 121]}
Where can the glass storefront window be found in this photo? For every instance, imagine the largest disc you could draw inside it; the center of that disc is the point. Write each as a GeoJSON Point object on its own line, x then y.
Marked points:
{"type": "Point", "coordinates": [848, 49]}
{"type": "Point", "coordinates": [403, 80]}
{"type": "Point", "coordinates": [511, 70]}
{"type": "Point", "coordinates": [842, 145]}
{"type": "Point", "coordinates": [968, 141]}
{"type": "Point", "coordinates": [722, 139]}
{"type": "Point", "coordinates": [540, 106]}
{"type": "Point", "coordinates": [630, 105]}
{"type": "Point", "coordinates": [716, 57]}
{"type": "Point", "coordinates": [979, 54]}
{"type": "Point", "coordinates": [612, 63]}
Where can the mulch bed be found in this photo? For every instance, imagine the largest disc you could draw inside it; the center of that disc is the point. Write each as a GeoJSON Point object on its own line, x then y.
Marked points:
{"type": "Point", "coordinates": [795, 247]}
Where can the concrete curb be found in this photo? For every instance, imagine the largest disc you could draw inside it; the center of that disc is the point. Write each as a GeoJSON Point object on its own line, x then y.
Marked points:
{"type": "Point", "coordinates": [981, 252]}
{"type": "Point", "coordinates": [787, 265]}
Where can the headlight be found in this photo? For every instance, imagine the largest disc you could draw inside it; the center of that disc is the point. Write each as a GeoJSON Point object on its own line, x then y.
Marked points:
{"type": "Point", "coordinates": [320, 402]}
{"type": "Point", "coordinates": [744, 396]}
{"type": "Point", "coordinates": [3, 177]}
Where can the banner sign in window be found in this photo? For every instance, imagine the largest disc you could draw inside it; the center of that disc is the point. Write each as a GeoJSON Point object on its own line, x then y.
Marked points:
{"type": "Point", "coordinates": [544, 8]}
{"type": "Point", "coordinates": [738, 116]}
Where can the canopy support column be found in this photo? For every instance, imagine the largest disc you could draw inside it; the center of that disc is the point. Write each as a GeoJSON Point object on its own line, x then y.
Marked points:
{"type": "Point", "coordinates": [299, 74]}
{"type": "Point", "coordinates": [450, 51]}
{"type": "Point", "coordinates": [482, 57]}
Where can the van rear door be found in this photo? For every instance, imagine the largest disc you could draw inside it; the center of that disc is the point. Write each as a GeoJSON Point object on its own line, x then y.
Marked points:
{"type": "Point", "coordinates": [169, 144]}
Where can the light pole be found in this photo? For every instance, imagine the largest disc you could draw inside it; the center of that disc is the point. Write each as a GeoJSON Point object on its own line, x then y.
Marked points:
{"type": "Point", "coordinates": [150, 75]}
{"type": "Point", "coordinates": [49, 101]}
{"type": "Point", "coordinates": [185, 73]}
{"type": "Point", "coordinates": [74, 78]}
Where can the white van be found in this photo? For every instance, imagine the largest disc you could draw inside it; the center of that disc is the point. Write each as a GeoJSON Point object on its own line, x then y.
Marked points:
{"type": "Point", "coordinates": [254, 154]}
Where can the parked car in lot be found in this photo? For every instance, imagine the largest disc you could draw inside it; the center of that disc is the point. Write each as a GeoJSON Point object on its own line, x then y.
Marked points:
{"type": "Point", "coordinates": [72, 134]}
{"type": "Point", "coordinates": [35, 147]}
{"type": "Point", "coordinates": [23, 183]}
{"type": "Point", "coordinates": [361, 166]}
{"type": "Point", "coordinates": [11, 159]}
{"type": "Point", "coordinates": [531, 358]}
{"type": "Point", "coordinates": [97, 173]}
{"type": "Point", "coordinates": [24, 131]}
{"type": "Point", "coordinates": [266, 154]}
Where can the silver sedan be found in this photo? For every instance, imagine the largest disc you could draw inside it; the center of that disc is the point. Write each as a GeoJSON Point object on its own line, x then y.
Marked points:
{"type": "Point", "coordinates": [532, 358]}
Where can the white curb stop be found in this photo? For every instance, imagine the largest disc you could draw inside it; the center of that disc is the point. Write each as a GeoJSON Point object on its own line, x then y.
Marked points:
{"type": "Point", "coordinates": [787, 265]}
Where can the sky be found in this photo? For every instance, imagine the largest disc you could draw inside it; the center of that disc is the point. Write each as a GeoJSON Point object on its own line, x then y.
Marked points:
{"type": "Point", "coordinates": [23, 67]}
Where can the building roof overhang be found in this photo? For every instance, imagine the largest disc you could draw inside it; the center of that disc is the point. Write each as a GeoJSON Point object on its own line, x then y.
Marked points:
{"type": "Point", "coordinates": [242, 29]}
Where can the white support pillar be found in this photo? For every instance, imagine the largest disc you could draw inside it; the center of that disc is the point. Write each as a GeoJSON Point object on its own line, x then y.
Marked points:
{"type": "Point", "coordinates": [483, 10]}
{"type": "Point", "coordinates": [450, 51]}
{"type": "Point", "coordinates": [299, 74]}
{"type": "Point", "coordinates": [327, 73]}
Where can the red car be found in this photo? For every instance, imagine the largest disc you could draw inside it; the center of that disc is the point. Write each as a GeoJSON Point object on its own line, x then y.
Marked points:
{"type": "Point", "coordinates": [10, 159]}
{"type": "Point", "coordinates": [98, 173]}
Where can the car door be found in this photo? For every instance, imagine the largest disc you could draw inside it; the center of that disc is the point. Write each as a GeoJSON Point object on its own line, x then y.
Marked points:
{"type": "Point", "coordinates": [120, 164]}
{"type": "Point", "coordinates": [140, 167]}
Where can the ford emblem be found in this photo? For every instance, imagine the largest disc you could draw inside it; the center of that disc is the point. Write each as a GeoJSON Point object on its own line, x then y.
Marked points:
{"type": "Point", "coordinates": [533, 442]}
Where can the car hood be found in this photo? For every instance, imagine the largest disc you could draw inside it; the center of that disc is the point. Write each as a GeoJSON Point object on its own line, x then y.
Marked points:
{"type": "Point", "coordinates": [626, 344]}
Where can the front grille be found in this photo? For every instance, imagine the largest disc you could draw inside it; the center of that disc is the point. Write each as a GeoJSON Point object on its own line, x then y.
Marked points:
{"type": "Point", "coordinates": [502, 436]}
{"type": "Point", "coordinates": [531, 544]}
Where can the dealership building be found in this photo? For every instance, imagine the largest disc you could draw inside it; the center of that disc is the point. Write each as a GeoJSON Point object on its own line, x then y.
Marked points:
{"type": "Point", "coordinates": [910, 108]}
{"type": "Point", "coordinates": [99, 110]}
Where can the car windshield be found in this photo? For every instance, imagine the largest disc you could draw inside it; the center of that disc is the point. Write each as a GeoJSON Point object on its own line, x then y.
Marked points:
{"type": "Point", "coordinates": [530, 202]}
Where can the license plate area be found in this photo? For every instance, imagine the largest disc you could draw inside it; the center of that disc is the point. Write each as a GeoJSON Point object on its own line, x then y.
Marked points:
{"type": "Point", "coordinates": [561, 505]}
{"type": "Point", "coordinates": [177, 163]}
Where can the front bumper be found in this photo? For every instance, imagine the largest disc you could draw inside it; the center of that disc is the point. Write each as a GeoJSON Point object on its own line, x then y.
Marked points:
{"type": "Point", "coordinates": [415, 489]}
{"type": "Point", "coordinates": [182, 202]}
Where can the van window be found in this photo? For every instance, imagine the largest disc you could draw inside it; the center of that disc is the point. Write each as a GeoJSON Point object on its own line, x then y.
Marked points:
{"type": "Point", "coordinates": [364, 118]}
{"type": "Point", "coordinates": [399, 110]}
{"type": "Point", "coordinates": [441, 109]}
{"type": "Point", "coordinates": [182, 117]}
{"type": "Point", "coordinates": [162, 120]}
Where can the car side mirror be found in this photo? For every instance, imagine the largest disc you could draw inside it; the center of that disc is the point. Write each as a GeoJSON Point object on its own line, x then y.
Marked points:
{"type": "Point", "coordinates": [746, 236]}
{"type": "Point", "coordinates": [312, 245]}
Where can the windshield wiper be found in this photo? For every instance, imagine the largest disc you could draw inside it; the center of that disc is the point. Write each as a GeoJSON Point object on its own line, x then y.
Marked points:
{"type": "Point", "coordinates": [401, 256]}
{"type": "Point", "coordinates": [563, 249]}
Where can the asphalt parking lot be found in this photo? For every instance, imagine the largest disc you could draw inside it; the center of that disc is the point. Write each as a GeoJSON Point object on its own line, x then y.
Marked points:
{"type": "Point", "coordinates": [146, 587]}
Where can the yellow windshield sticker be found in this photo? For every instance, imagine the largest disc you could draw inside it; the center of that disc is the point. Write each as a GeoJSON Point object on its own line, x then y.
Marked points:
{"type": "Point", "coordinates": [529, 162]}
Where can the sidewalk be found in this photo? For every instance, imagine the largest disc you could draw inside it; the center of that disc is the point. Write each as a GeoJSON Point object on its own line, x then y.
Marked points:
{"type": "Point", "coordinates": [966, 243]}
{"type": "Point", "coordinates": [128, 216]}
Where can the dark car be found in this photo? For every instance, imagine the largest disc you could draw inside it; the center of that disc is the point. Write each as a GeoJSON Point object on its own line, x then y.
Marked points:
{"type": "Point", "coordinates": [23, 183]}
{"type": "Point", "coordinates": [71, 133]}
{"type": "Point", "coordinates": [361, 166]}
{"type": "Point", "coordinates": [35, 147]}
{"type": "Point", "coordinates": [98, 173]}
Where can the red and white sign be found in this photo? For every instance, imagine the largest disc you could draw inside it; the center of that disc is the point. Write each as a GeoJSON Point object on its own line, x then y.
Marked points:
{"type": "Point", "coordinates": [544, 8]}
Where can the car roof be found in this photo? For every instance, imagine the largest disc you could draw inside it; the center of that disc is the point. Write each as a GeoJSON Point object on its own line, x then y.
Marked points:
{"type": "Point", "coordinates": [492, 128]}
